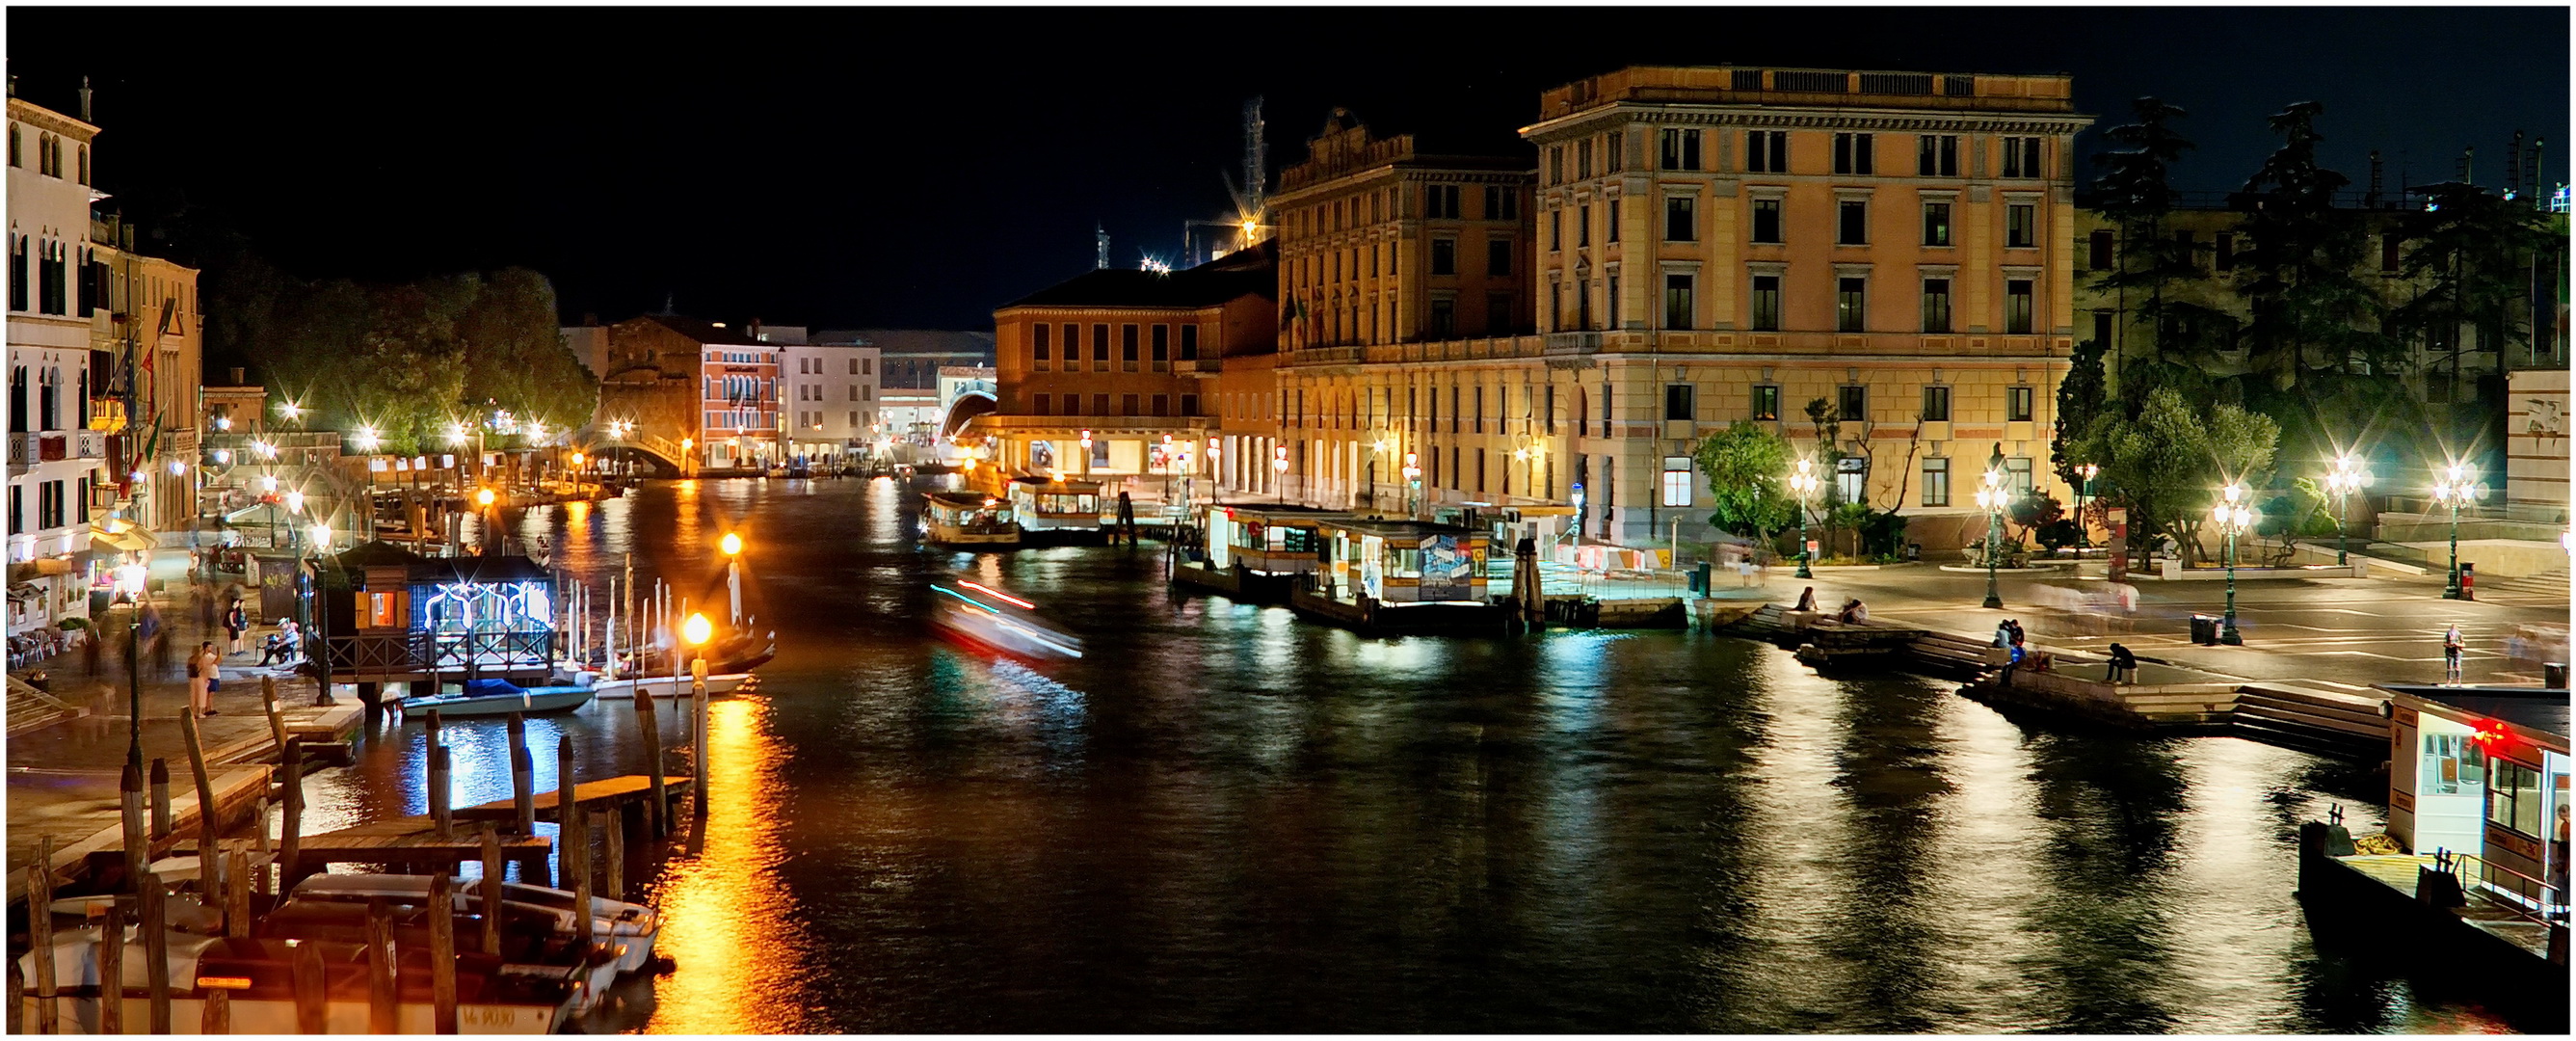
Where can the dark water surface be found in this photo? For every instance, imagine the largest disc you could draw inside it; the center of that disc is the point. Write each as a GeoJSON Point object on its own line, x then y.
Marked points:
{"type": "Point", "coordinates": [1227, 819]}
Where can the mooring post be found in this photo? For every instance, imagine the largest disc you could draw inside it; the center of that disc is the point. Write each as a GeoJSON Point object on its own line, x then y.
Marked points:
{"type": "Point", "coordinates": [523, 775]}
{"type": "Point", "coordinates": [312, 991]}
{"type": "Point", "coordinates": [652, 732]}
{"type": "Point", "coordinates": [613, 860]}
{"type": "Point", "coordinates": [209, 822]}
{"type": "Point", "coordinates": [576, 850]}
{"type": "Point", "coordinates": [276, 720]}
{"type": "Point", "coordinates": [138, 847]}
{"type": "Point", "coordinates": [156, 952]}
{"type": "Point", "coordinates": [382, 999]}
{"type": "Point", "coordinates": [491, 890]}
{"type": "Point", "coordinates": [442, 821]}
{"type": "Point", "coordinates": [442, 951]}
{"type": "Point", "coordinates": [237, 892]}
{"type": "Point", "coordinates": [40, 934]}
{"type": "Point", "coordinates": [160, 800]}
{"type": "Point", "coordinates": [111, 968]}
{"type": "Point", "coordinates": [698, 734]}
{"type": "Point", "coordinates": [290, 832]}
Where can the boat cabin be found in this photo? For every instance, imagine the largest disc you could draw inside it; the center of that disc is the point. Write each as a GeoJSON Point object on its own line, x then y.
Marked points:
{"type": "Point", "coordinates": [1396, 562]}
{"type": "Point", "coordinates": [1044, 504]}
{"type": "Point", "coordinates": [387, 615]}
{"type": "Point", "coordinates": [1269, 540]}
{"type": "Point", "coordinates": [2482, 772]}
{"type": "Point", "coordinates": [969, 518]}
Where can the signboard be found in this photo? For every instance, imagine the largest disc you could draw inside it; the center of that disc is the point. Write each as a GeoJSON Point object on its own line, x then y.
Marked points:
{"type": "Point", "coordinates": [2119, 520]}
{"type": "Point", "coordinates": [1447, 569]}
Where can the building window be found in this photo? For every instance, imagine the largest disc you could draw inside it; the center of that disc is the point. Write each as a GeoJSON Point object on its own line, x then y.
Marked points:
{"type": "Point", "coordinates": [1936, 482]}
{"type": "Point", "coordinates": [1444, 317]}
{"type": "Point", "coordinates": [1936, 404]}
{"type": "Point", "coordinates": [1936, 305]}
{"type": "Point", "coordinates": [1677, 301]}
{"type": "Point", "coordinates": [1677, 480]}
{"type": "Point", "coordinates": [1127, 346]}
{"type": "Point", "coordinates": [1614, 302]}
{"type": "Point", "coordinates": [1611, 234]}
{"type": "Point", "coordinates": [84, 164]}
{"type": "Point", "coordinates": [1583, 226]}
{"type": "Point", "coordinates": [2222, 251]}
{"type": "Point", "coordinates": [2017, 402]}
{"type": "Point", "coordinates": [1680, 403]}
{"type": "Point", "coordinates": [2187, 249]}
{"type": "Point", "coordinates": [1162, 346]}
{"type": "Point", "coordinates": [2021, 226]}
{"type": "Point", "coordinates": [1583, 159]}
{"type": "Point", "coordinates": [1852, 153]}
{"type": "Point", "coordinates": [1556, 229]}
{"type": "Point", "coordinates": [1936, 224]}
{"type": "Point", "coordinates": [1766, 402]}
{"type": "Point", "coordinates": [2021, 157]}
{"type": "Point", "coordinates": [1678, 223]}
{"type": "Point", "coordinates": [1126, 404]}
{"type": "Point", "coordinates": [1038, 404]}
{"type": "Point", "coordinates": [1502, 204]}
{"type": "Point", "coordinates": [2017, 306]}
{"type": "Point", "coordinates": [1766, 221]}
{"type": "Point", "coordinates": [1100, 348]}
{"type": "Point", "coordinates": [1441, 201]}
{"type": "Point", "coordinates": [2098, 251]}
{"type": "Point", "coordinates": [1766, 151]}
{"type": "Point", "coordinates": [1038, 349]}
{"type": "Point", "coordinates": [1444, 256]}
{"type": "Point", "coordinates": [1766, 303]}
{"type": "Point", "coordinates": [1480, 408]}
{"type": "Point", "coordinates": [1851, 304]}
{"type": "Point", "coordinates": [14, 160]}
{"type": "Point", "coordinates": [1498, 313]}
{"type": "Point", "coordinates": [1556, 165]}
{"type": "Point", "coordinates": [17, 272]}
{"type": "Point", "coordinates": [1099, 404]}
{"type": "Point", "coordinates": [2017, 476]}
{"type": "Point", "coordinates": [1851, 223]}
{"type": "Point", "coordinates": [1854, 406]}
{"type": "Point", "coordinates": [1680, 149]}
{"type": "Point", "coordinates": [1937, 155]}
{"type": "Point", "coordinates": [1162, 404]}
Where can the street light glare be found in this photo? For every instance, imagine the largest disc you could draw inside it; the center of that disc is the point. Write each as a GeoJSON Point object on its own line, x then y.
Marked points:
{"type": "Point", "coordinates": [731, 544]}
{"type": "Point", "coordinates": [483, 497]}
{"type": "Point", "coordinates": [697, 629]}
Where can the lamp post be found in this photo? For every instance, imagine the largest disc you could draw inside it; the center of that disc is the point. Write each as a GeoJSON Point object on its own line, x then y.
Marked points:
{"type": "Point", "coordinates": [2347, 477]}
{"type": "Point", "coordinates": [1992, 498]}
{"type": "Point", "coordinates": [483, 499]}
{"type": "Point", "coordinates": [1412, 483]}
{"type": "Point", "coordinates": [1086, 453]}
{"type": "Point", "coordinates": [1378, 447]}
{"type": "Point", "coordinates": [2232, 517]}
{"type": "Point", "coordinates": [1279, 466]}
{"type": "Point", "coordinates": [131, 583]}
{"type": "Point", "coordinates": [696, 631]}
{"type": "Point", "coordinates": [1802, 484]}
{"type": "Point", "coordinates": [318, 649]}
{"type": "Point", "coordinates": [2454, 490]}
{"type": "Point", "coordinates": [731, 544]}
{"type": "Point", "coordinates": [2083, 491]}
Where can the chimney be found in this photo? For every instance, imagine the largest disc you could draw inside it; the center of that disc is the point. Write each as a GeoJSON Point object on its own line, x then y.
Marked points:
{"type": "Point", "coordinates": [755, 329]}
{"type": "Point", "coordinates": [589, 318]}
{"type": "Point", "coordinates": [238, 381]}
{"type": "Point", "coordinates": [85, 100]}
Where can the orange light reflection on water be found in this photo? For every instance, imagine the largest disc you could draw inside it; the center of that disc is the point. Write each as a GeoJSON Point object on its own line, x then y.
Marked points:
{"type": "Point", "coordinates": [725, 914]}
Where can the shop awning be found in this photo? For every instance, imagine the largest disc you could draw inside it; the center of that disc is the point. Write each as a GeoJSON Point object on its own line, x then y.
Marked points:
{"type": "Point", "coordinates": [131, 540]}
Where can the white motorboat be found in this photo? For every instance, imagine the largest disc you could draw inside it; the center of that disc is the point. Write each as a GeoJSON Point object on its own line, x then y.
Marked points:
{"type": "Point", "coordinates": [665, 687]}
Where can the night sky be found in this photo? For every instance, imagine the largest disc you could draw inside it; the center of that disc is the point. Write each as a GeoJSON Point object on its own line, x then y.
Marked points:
{"type": "Point", "coordinates": [916, 168]}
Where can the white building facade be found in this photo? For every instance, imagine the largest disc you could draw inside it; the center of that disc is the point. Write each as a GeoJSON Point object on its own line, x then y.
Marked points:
{"type": "Point", "coordinates": [55, 458]}
{"type": "Point", "coordinates": [830, 397]}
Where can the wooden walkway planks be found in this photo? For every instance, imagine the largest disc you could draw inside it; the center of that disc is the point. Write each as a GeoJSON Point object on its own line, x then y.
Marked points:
{"type": "Point", "coordinates": [593, 795]}
{"type": "Point", "coordinates": [409, 840]}
{"type": "Point", "coordinates": [2398, 871]}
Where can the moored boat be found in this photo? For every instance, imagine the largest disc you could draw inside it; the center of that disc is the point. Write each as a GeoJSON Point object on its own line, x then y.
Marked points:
{"type": "Point", "coordinates": [629, 926]}
{"type": "Point", "coordinates": [968, 519]}
{"type": "Point", "coordinates": [496, 697]}
{"type": "Point", "coordinates": [664, 686]}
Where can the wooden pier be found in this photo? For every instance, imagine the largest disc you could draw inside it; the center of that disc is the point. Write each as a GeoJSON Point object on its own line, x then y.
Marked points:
{"type": "Point", "coordinates": [411, 845]}
{"type": "Point", "coordinates": [615, 793]}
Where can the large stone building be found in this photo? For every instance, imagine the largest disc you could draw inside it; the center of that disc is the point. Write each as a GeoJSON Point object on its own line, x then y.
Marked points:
{"type": "Point", "coordinates": [701, 394]}
{"type": "Point", "coordinates": [1696, 247]}
{"type": "Point", "coordinates": [90, 320]}
{"type": "Point", "coordinates": [830, 394]}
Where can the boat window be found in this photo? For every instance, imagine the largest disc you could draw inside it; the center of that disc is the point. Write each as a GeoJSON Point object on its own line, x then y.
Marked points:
{"type": "Point", "coordinates": [2514, 799]}
{"type": "Point", "coordinates": [1297, 540]}
{"type": "Point", "coordinates": [2453, 765]}
{"type": "Point", "coordinates": [1404, 563]}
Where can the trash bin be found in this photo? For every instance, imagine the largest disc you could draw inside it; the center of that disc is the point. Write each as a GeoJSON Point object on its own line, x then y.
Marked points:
{"type": "Point", "coordinates": [1699, 578]}
{"type": "Point", "coordinates": [2204, 629]}
{"type": "Point", "coordinates": [2468, 581]}
{"type": "Point", "coordinates": [2553, 675]}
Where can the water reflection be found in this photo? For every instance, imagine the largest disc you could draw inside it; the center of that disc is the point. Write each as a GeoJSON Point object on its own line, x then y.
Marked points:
{"type": "Point", "coordinates": [1228, 819]}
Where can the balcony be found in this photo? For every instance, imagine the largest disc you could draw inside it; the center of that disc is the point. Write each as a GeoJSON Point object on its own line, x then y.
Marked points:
{"type": "Point", "coordinates": [27, 449]}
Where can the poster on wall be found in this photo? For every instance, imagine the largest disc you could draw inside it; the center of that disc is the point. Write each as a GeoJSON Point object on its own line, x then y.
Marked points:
{"type": "Point", "coordinates": [1447, 568]}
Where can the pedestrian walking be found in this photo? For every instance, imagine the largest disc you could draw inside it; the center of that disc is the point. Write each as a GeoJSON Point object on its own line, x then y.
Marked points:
{"type": "Point", "coordinates": [202, 666]}
{"type": "Point", "coordinates": [2452, 644]}
{"type": "Point", "coordinates": [2124, 665]}
{"type": "Point", "coordinates": [236, 621]}
{"type": "Point", "coordinates": [156, 639]}
{"type": "Point", "coordinates": [90, 648]}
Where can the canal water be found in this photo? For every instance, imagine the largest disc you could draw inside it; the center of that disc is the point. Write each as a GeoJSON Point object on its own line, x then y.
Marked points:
{"type": "Point", "coordinates": [1224, 818]}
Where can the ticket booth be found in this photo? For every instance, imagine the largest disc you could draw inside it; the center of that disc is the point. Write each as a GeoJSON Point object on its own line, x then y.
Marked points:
{"type": "Point", "coordinates": [2483, 772]}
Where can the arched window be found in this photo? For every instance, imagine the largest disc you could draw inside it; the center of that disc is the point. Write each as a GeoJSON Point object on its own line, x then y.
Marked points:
{"type": "Point", "coordinates": [14, 159]}
{"type": "Point", "coordinates": [49, 398]}
{"type": "Point", "coordinates": [84, 164]}
{"type": "Point", "coordinates": [18, 399]}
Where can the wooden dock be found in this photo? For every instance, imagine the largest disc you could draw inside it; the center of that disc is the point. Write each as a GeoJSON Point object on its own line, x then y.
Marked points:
{"type": "Point", "coordinates": [615, 793]}
{"type": "Point", "coordinates": [411, 845]}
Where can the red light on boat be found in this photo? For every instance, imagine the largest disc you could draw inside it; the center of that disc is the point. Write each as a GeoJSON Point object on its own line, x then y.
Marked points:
{"type": "Point", "coordinates": [1006, 597]}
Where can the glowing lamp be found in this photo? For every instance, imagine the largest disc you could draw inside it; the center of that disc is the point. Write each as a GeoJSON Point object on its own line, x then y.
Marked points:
{"type": "Point", "coordinates": [295, 502]}
{"type": "Point", "coordinates": [697, 629]}
{"type": "Point", "coordinates": [223, 422]}
{"type": "Point", "coordinates": [576, 459]}
{"type": "Point", "coordinates": [268, 483]}
{"type": "Point", "coordinates": [321, 534]}
{"type": "Point", "coordinates": [483, 497]}
{"type": "Point", "coordinates": [731, 544]}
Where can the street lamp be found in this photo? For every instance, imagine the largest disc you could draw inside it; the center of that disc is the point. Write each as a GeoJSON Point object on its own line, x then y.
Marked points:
{"type": "Point", "coordinates": [2348, 476]}
{"type": "Point", "coordinates": [318, 648]}
{"type": "Point", "coordinates": [483, 499]}
{"type": "Point", "coordinates": [1802, 484]}
{"type": "Point", "coordinates": [2232, 517]}
{"type": "Point", "coordinates": [1086, 453]}
{"type": "Point", "coordinates": [1412, 483]}
{"type": "Point", "coordinates": [1279, 465]}
{"type": "Point", "coordinates": [731, 544]}
{"type": "Point", "coordinates": [1216, 473]}
{"type": "Point", "coordinates": [1992, 498]}
{"type": "Point", "coordinates": [2454, 490]}
{"type": "Point", "coordinates": [2084, 490]}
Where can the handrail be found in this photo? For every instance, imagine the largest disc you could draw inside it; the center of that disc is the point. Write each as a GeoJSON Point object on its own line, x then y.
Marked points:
{"type": "Point", "coordinates": [2520, 899]}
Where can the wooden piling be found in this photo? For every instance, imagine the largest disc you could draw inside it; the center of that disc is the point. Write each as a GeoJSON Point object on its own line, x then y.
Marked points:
{"type": "Point", "coordinates": [442, 951]}
{"type": "Point", "coordinates": [261, 862]}
{"type": "Point", "coordinates": [312, 991]}
{"type": "Point", "coordinates": [523, 775]}
{"type": "Point", "coordinates": [576, 843]}
{"type": "Point", "coordinates": [698, 736]}
{"type": "Point", "coordinates": [237, 892]}
{"type": "Point", "coordinates": [613, 860]}
{"type": "Point", "coordinates": [382, 999]}
{"type": "Point", "coordinates": [111, 968]}
{"type": "Point", "coordinates": [208, 821]}
{"type": "Point", "coordinates": [156, 952]}
{"type": "Point", "coordinates": [276, 720]}
{"type": "Point", "coordinates": [430, 728]}
{"type": "Point", "coordinates": [491, 890]}
{"type": "Point", "coordinates": [40, 934]}
{"type": "Point", "coordinates": [216, 1016]}
{"type": "Point", "coordinates": [656, 808]}
{"type": "Point", "coordinates": [160, 799]}
{"type": "Point", "coordinates": [17, 1018]}
{"type": "Point", "coordinates": [442, 818]}
{"type": "Point", "coordinates": [138, 847]}
{"type": "Point", "coordinates": [290, 836]}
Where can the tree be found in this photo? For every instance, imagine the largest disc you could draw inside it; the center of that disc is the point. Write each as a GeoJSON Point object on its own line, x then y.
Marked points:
{"type": "Point", "coordinates": [1746, 467]}
{"type": "Point", "coordinates": [2470, 250]}
{"type": "Point", "coordinates": [2135, 190]}
{"type": "Point", "coordinates": [2167, 463]}
{"type": "Point", "coordinates": [2316, 325]}
{"type": "Point", "coordinates": [515, 354]}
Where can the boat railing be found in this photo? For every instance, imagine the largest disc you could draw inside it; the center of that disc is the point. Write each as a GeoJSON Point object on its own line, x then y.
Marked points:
{"type": "Point", "coordinates": [2521, 895]}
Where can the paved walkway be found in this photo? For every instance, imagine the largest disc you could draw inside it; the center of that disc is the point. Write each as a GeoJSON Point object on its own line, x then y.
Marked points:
{"type": "Point", "coordinates": [2343, 631]}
